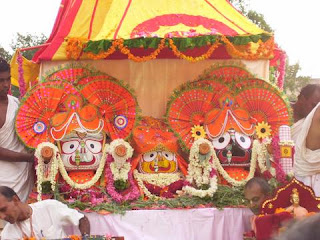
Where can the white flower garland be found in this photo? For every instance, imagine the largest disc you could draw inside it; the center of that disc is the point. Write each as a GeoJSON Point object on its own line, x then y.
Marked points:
{"type": "Point", "coordinates": [158, 179]}
{"type": "Point", "coordinates": [93, 180]}
{"type": "Point", "coordinates": [199, 171]}
{"type": "Point", "coordinates": [203, 193]}
{"type": "Point", "coordinates": [120, 173]}
{"type": "Point", "coordinates": [117, 159]}
{"type": "Point", "coordinates": [258, 155]}
{"type": "Point", "coordinates": [52, 165]}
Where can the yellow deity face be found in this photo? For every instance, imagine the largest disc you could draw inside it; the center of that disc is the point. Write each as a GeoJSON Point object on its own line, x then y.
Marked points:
{"type": "Point", "coordinates": [295, 199]}
{"type": "Point", "coordinates": [158, 162]}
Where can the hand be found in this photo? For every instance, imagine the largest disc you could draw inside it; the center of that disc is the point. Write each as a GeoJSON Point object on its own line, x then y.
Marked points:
{"type": "Point", "coordinates": [30, 157]}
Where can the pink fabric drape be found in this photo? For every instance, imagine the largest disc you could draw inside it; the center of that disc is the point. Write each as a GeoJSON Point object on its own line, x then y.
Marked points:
{"type": "Point", "coordinates": [191, 224]}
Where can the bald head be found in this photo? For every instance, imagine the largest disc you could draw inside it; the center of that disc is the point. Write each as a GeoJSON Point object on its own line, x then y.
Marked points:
{"type": "Point", "coordinates": [256, 192]}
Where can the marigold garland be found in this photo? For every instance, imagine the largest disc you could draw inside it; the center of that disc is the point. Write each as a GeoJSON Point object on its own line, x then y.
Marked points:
{"type": "Point", "coordinates": [75, 47]}
{"type": "Point", "coordinates": [103, 55]}
{"type": "Point", "coordinates": [265, 49]}
{"type": "Point", "coordinates": [125, 50]}
{"type": "Point", "coordinates": [204, 56]}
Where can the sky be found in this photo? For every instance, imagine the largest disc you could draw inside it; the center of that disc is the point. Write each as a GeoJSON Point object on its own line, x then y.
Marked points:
{"type": "Point", "coordinates": [295, 23]}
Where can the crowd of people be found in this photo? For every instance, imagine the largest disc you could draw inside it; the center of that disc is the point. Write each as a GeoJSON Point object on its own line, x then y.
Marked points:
{"type": "Point", "coordinates": [16, 172]}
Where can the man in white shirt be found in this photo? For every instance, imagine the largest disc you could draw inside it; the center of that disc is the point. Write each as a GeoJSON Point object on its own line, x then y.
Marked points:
{"type": "Point", "coordinates": [306, 135]}
{"type": "Point", "coordinates": [46, 219]}
{"type": "Point", "coordinates": [16, 170]}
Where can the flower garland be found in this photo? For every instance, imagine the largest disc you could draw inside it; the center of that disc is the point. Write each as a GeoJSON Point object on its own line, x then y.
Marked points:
{"type": "Point", "coordinates": [258, 155]}
{"type": "Point", "coordinates": [280, 174]}
{"type": "Point", "coordinates": [90, 183]}
{"type": "Point", "coordinates": [106, 54]}
{"type": "Point", "coordinates": [120, 173]}
{"type": "Point", "coordinates": [131, 193]}
{"type": "Point", "coordinates": [22, 83]}
{"type": "Point", "coordinates": [202, 171]}
{"type": "Point", "coordinates": [203, 193]}
{"type": "Point", "coordinates": [75, 47]}
{"type": "Point", "coordinates": [158, 179]}
{"type": "Point", "coordinates": [119, 160]}
{"type": "Point", "coordinates": [125, 50]}
{"type": "Point", "coordinates": [204, 56]}
{"type": "Point", "coordinates": [53, 166]}
{"type": "Point", "coordinates": [265, 49]}
{"type": "Point", "coordinates": [282, 69]}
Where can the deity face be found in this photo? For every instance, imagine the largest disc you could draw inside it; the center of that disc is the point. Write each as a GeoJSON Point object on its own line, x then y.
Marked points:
{"type": "Point", "coordinates": [158, 162]}
{"type": "Point", "coordinates": [81, 151]}
{"type": "Point", "coordinates": [233, 148]}
{"type": "Point", "coordinates": [295, 199]}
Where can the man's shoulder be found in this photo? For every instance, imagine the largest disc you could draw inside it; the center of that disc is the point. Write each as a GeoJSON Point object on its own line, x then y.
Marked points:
{"type": "Point", "coordinates": [47, 203]}
{"type": "Point", "coordinates": [9, 232]}
{"type": "Point", "coordinates": [13, 100]}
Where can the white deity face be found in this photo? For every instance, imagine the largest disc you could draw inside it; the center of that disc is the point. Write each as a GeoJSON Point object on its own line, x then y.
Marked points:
{"type": "Point", "coordinates": [81, 151]}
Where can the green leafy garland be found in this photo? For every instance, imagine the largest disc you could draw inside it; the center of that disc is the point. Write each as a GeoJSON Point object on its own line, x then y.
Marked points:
{"type": "Point", "coordinates": [225, 196]}
{"type": "Point", "coordinates": [182, 44]}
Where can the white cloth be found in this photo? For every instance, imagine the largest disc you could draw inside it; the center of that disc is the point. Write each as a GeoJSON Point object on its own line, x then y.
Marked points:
{"type": "Point", "coordinates": [49, 218]}
{"type": "Point", "coordinates": [17, 175]}
{"type": "Point", "coordinates": [175, 224]}
{"type": "Point", "coordinates": [307, 162]}
{"type": "Point", "coordinates": [296, 129]}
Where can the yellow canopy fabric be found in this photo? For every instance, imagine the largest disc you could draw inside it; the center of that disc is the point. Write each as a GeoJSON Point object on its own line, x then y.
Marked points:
{"type": "Point", "coordinates": [102, 20]}
{"type": "Point", "coordinates": [30, 71]}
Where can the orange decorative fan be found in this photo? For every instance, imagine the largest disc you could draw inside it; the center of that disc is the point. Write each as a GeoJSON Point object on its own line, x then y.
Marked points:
{"type": "Point", "coordinates": [265, 105]}
{"type": "Point", "coordinates": [188, 109]}
{"type": "Point", "coordinates": [37, 108]}
{"type": "Point", "coordinates": [117, 105]}
{"type": "Point", "coordinates": [70, 74]}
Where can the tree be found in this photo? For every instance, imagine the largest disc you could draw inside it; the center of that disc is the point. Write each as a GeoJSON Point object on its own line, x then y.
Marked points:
{"type": "Point", "coordinates": [258, 19]}
{"type": "Point", "coordinates": [27, 40]}
{"type": "Point", "coordinates": [294, 83]}
{"type": "Point", "coordinates": [5, 54]}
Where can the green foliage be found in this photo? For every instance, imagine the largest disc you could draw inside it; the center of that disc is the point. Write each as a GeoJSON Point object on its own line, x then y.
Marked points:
{"type": "Point", "coordinates": [294, 83]}
{"type": "Point", "coordinates": [259, 20]}
{"type": "Point", "coordinates": [121, 184]}
{"type": "Point", "coordinates": [27, 40]}
{"type": "Point", "coordinates": [241, 5]}
{"type": "Point", "coordinates": [225, 196]}
{"type": "Point", "coordinates": [5, 54]}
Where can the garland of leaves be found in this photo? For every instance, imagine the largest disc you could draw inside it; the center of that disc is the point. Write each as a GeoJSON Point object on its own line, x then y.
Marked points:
{"type": "Point", "coordinates": [77, 47]}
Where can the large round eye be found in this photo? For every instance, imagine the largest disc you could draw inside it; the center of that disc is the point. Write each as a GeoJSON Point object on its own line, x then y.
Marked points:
{"type": "Point", "coordinates": [94, 146]}
{"type": "Point", "coordinates": [221, 142]}
{"type": "Point", "coordinates": [168, 155]}
{"type": "Point", "coordinates": [149, 157]}
{"type": "Point", "coordinates": [70, 146]}
{"type": "Point", "coordinates": [243, 140]}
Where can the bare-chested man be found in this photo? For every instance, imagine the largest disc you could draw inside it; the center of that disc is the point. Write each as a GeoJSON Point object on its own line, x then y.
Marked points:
{"type": "Point", "coordinates": [16, 169]}
{"type": "Point", "coordinates": [306, 134]}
